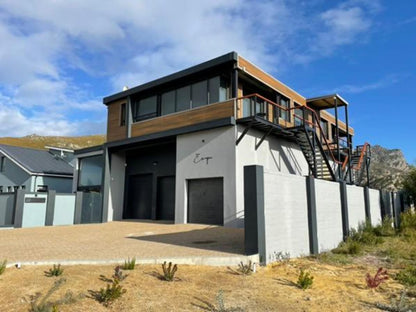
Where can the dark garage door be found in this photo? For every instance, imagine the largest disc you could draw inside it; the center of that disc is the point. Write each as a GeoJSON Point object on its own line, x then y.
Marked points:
{"type": "Point", "coordinates": [165, 198]}
{"type": "Point", "coordinates": [205, 201]}
{"type": "Point", "coordinates": [139, 204]}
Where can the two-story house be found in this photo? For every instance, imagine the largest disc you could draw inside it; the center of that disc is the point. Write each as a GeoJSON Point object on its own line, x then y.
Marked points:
{"type": "Point", "coordinates": [176, 146]}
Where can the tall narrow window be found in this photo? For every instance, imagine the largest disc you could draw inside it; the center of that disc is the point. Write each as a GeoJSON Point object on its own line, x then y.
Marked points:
{"type": "Point", "coordinates": [123, 114]}
{"type": "Point", "coordinates": [298, 118]}
{"type": "Point", "coordinates": [285, 104]}
{"type": "Point", "coordinates": [183, 98]}
{"type": "Point", "coordinates": [224, 89]}
{"type": "Point", "coordinates": [324, 126]}
{"type": "Point", "coordinates": [2, 162]}
{"type": "Point", "coordinates": [168, 103]}
{"type": "Point", "coordinates": [199, 94]}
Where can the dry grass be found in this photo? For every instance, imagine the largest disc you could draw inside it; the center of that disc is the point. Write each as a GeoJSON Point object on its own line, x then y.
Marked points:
{"type": "Point", "coordinates": [272, 288]}
{"type": "Point", "coordinates": [39, 142]}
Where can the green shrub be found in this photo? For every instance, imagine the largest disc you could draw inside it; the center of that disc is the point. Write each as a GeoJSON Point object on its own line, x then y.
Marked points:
{"type": "Point", "coordinates": [305, 280]}
{"type": "Point", "coordinates": [55, 271]}
{"type": "Point", "coordinates": [407, 276]}
{"type": "Point", "coordinates": [245, 269]}
{"type": "Point", "coordinates": [169, 271]}
{"type": "Point", "coordinates": [3, 266]}
{"type": "Point", "coordinates": [365, 234]}
{"type": "Point", "coordinates": [108, 295]}
{"type": "Point", "coordinates": [385, 228]}
{"type": "Point", "coordinates": [408, 221]}
{"type": "Point", "coordinates": [349, 247]}
{"type": "Point", "coordinates": [129, 264]}
{"type": "Point", "coordinates": [42, 304]}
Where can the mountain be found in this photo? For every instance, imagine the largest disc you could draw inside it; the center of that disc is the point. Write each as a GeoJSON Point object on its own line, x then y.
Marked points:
{"type": "Point", "coordinates": [387, 168]}
{"type": "Point", "coordinates": [39, 142]}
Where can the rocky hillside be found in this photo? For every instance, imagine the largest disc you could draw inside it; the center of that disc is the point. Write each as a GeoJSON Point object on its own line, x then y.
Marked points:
{"type": "Point", "coordinates": [39, 142]}
{"type": "Point", "coordinates": [387, 167]}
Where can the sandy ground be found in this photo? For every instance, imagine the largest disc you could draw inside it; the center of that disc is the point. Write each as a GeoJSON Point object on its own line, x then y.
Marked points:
{"type": "Point", "coordinates": [272, 288]}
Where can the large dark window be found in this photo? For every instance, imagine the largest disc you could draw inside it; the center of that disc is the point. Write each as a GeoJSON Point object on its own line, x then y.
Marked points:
{"type": "Point", "coordinates": [199, 94]}
{"type": "Point", "coordinates": [183, 98]}
{"type": "Point", "coordinates": [145, 108]}
{"type": "Point", "coordinates": [168, 103]}
{"type": "Point", "coordinates": [91, 171]}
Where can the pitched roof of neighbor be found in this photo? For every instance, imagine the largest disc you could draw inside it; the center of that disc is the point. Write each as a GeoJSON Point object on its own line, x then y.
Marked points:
{"type": "Point", "coordinates": [37, 161]}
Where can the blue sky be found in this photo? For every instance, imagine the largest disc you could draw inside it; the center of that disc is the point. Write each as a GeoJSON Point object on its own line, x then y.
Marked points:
{"type": "Point", "coordinates": [58, 59]}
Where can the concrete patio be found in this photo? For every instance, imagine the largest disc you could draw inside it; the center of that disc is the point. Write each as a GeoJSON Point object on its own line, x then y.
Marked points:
{"type": "Point", "coordinates": [149, 242]}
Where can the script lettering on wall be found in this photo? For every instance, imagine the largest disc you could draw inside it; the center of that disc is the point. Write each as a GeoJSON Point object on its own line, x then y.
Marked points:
{"type": "Point", "coordinates": [199, 159]}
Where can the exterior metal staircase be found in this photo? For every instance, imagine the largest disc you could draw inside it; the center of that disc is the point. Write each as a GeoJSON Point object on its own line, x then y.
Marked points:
{"type": "Point", "coordinates": [314, 153]}
{"type": "Point", "coordinates": [360, 161]}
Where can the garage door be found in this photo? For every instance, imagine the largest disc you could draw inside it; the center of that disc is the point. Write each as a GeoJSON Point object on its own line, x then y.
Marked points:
{"type": "Point", "coordinates": [206, 201]}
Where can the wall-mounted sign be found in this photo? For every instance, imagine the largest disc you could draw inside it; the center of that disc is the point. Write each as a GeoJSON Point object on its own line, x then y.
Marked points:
{"type": "Point", "coordinates": [38, 200]}
{"type": "Point", "coordinates": [198, 159]}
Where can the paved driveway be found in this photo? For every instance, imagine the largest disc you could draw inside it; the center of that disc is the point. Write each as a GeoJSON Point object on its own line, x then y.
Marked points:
{"type": "Point", "coordinates": [149, 242]}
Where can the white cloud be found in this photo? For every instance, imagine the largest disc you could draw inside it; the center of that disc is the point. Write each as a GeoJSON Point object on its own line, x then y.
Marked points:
{"type": "Point", "coordinates": [50, 48]}
{"type": "Point", "coordinates": [378, 84]}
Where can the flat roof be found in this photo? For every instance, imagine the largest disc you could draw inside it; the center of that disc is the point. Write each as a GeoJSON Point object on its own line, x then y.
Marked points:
{"type": "Point", "coordinates": [226, 58]}
{"type": "Point", "coordinates": [326, 101]}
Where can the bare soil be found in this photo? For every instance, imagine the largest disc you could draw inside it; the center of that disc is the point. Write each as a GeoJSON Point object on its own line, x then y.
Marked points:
{"type": "Point", "coordinates": [196, 288]}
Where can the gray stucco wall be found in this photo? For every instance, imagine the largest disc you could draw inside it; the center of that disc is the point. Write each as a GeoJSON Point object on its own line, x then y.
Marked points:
{"type": "Point", "coordinates": [375, 207]}
{"type": "Point", "coordinates": [6, 208]}
{"type": "Point", "coordinates": [274, 154]}
{"type": "Point", "coordinates": [285, 215]}
{"type": "Point", "coordinates": [356, 206]}
{"type": "Point", "coordinates": [13, 175]}
{"type": "Point", "coordinates": [328, 214]}
{"type": "Point", "coordinates": [219, 145]}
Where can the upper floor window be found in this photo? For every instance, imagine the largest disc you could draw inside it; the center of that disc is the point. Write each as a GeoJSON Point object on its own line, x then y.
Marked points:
{"type": "Point", "coordinates": [123, 114]}
{"type": "Point", "coordinates": [285, 104]}
{"type": "Point", "coordinates": [298, 118]}
{"type": "Point", "coordinates": [195, 95]}
{"type": "Point", "coordinates": [144, 108]}
{"type": "Point", "coordinates": [2, 163]}
{"type": "Point", "coordinates": [325, 128]}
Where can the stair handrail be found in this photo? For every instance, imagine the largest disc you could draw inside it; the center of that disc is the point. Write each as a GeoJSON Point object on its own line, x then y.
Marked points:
{"type": "Point", "coordinates": [363, 152]}
{"type": "Point", "coordinates": [314, 124]}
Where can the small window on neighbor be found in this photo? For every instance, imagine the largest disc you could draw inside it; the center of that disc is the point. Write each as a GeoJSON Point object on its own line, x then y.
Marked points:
{"type": "Point", "coordinates": [123, 115]}
{"type": "Point", "coordinates": [23, 187]}
{"type": "Point", "coordinates": [2, 162]}
{"type": "Point", "coordinates": [10, 189]}
{"type": "Point", "coordinates": [1, 188]}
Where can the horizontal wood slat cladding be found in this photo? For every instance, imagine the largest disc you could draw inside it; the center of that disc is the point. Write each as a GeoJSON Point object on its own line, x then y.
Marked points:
{"type": "Point", "coordinates": [269, 80]}
{"type": "Point", "coordinates": [115, 132]}
{"type": "Point", "coordinates": [183, 119]}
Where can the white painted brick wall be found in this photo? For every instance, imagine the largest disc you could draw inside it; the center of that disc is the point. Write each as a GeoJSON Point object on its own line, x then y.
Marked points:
{"type": "Point", "coordinates": [356, 206]}
{"type": "Point", "coordinates": [328, 214]}
{"type": "Point", "coordinates": [286, 215]}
